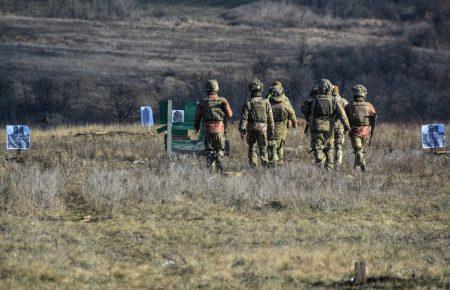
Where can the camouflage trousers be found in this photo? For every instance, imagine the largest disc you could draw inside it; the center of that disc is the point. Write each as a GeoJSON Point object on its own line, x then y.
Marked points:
{"type": "Point", "coordinates": [359, 144]}
{"type": "Point", "coordinates": [322, 145]}
{"type": "Point", "coordinates": [339, 140]}
{"type": "Point", "coordinates": [215, 150]}
{"type": "Point", "coordinates": [276, 151]}
{"type": "Point", "coordinates": [257, 139]}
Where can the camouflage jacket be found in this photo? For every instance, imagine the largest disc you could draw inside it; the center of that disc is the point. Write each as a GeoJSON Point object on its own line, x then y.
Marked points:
{"type": "Point", "coordinates": [257, 115]}
{"type": "Point", "coordinates": [322, 111]}
{"type": "Point", "coordinates": [360, 113]}
{"type": "Point", "coordinates": [282, 113]}
{"type": "Point", "coordinates": [343, 102]}
{"type": "Point", "coordinates": [212, 126]}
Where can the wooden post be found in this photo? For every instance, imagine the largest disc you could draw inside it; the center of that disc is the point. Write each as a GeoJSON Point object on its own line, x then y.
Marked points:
{"type": "Point", "coordinates": [18, 154]}
{"type": "Point", "coordinates": [360, 272]}
{"type": "Point", "coordinates": [169, 128]}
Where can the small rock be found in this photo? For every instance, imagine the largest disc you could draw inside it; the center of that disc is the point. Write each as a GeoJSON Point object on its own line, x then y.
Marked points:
{"type": "Point", "coordinates": [169, 263]}
{"type": "Point", "coordinates": [87, 219]}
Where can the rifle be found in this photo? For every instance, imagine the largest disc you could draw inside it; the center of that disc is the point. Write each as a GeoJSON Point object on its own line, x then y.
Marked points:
{"type": "Point", "coordinates": [373, 122]}
{"type": "Point", "coordinates": [227, 140]}
{"type": "Point", "coordinates": [308, 124]}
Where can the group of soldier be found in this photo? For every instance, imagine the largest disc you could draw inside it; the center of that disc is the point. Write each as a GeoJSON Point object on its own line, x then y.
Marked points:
{"type": "Point", "coordinates": [265, 121]}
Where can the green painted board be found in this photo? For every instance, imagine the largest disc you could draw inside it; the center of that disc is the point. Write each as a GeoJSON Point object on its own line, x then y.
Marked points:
{"type": "Point", "coordinates": [189, 112]}
{"type": "Point", "coordinates": [162, 119]}
{"type": "Point", "coordinates": [182, 129]}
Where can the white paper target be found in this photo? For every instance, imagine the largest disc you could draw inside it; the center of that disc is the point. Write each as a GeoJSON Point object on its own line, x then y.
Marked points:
{"type": "Point", "coordinates": [433, 136]}
{"type": "Point", "coordinates": [177, 116]}
{"type": "Point", "coordinates": [17, 137]}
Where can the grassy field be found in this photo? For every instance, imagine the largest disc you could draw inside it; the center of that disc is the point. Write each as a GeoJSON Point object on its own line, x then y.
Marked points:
{"type": "Point", "coordinates": [111, 211]}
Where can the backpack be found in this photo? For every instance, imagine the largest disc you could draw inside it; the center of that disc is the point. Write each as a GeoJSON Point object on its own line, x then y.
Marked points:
{"type": "Point", "coordinates": [213, 110]}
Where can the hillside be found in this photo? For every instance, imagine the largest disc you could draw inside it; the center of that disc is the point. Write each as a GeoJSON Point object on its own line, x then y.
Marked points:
{"type": "Point", "coordinates": [71, 70]}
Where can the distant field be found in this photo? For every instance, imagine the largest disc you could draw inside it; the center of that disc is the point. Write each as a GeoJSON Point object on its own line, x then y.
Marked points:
{"type": "Point", "coordinates": [168, 51]}
{"type": "Point", "coordinates": [156, 49]}
{"type": "Point", "coordinates": [110, 211]}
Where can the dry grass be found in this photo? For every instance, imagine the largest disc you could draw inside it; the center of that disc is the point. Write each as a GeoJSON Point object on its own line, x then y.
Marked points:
{"type": "Point", "coordinates": [158, 223]}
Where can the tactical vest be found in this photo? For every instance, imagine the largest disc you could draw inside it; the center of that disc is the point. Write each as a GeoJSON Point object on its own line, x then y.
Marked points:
{"type": "Point", "coordinates": [258, 111]}
{"type": "Point", "coordinates": [323, 107]}
{"type": "Point", "coordinates": [322, 113]}
{"type": "Point", "coordinates": [279, 112]}
{"type": "Point", "coordinates": [359, 114]}
{"type": "Point", "coordinates": [213, 110]}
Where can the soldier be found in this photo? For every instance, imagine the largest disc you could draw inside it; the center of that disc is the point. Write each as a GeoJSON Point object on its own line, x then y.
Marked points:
{"type": "Point", "coordinates": [285, 98]}
{"type": "Point", "coordinates": [257, 124]}
{"type": "Point", "coordinates": [362, 116]}
{"type": "Point", "coordinates": [213, 111]}
{"type": "Point", "coordinates": [321, 110]}
{"type": "Point", "coordinates": [282, 114]}
{"type": "Point", "coordinates": [339, 136]}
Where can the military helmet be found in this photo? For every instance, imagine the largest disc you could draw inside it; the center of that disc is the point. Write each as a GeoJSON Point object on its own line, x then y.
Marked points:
{"type": "Point", "coordinates": [324, 87]}
{"type": "Point", "coordinates": [335, 91]}
{"type": "Point", "coordinates": [277, 83]}
{"type": "Point", "coordinates": [359, 91]}
{"type": "Point", "coordinates": [256, 86]}
{"type": "Point", "coordinates": [212, 86]}
{"type": "Point", "coordinates": [277, 90]}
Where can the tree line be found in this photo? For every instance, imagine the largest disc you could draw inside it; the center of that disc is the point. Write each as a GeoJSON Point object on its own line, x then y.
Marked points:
{"type": "Point", "coordinates": [403, 84]}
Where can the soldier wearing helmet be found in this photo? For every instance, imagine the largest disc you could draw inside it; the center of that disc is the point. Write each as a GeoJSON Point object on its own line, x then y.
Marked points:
{"type": "Point", "coordinates": [285, 98]}
{"type": "Point", "coordinates": [213, 111]}
{"type": "Point", "coordinates": [257, 124]}
{"type": "Point", "coordinates": [282, 114]}
{"type": "Point", "coordinates": [321, 110]}
{"type": "Point", "coordinates": [339, 136]}
{"type": "Point", "coordinates": [362, 116]}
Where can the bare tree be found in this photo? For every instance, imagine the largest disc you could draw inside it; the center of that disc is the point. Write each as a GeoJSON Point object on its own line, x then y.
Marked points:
{"type": "Point", "coordinates": [45, 100]}
{"type": "Point", "coordinates": [124, 102]}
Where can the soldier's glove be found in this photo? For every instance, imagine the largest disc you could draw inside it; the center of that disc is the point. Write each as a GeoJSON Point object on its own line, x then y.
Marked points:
{"type": "Point", "coordinates": [294, 124]}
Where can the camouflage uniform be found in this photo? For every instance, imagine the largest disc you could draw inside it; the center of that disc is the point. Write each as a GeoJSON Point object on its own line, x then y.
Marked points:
{"type": "Point", "coordinates": [339, 136]}
{"type": "Point", "coordinates": [362, 116]}
{"type": "Point", "coordinates": [284, 97]}
{"type": "Point", "coordinates": [213, 111]}
{"type": "Point", "coordinates": [282, 114]}
{"type": "Point", "coordinates": [322, 110]}
{"type": "Point", "coordinates": [257, 124]}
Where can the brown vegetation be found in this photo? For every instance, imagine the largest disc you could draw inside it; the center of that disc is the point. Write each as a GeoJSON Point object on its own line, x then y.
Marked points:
{"type": "Point", "coordinates": [75, 66]}
{"type": "Point", "coordinates": [109, 210]}
{"type": "Point", "coordinates": [102, 207]}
